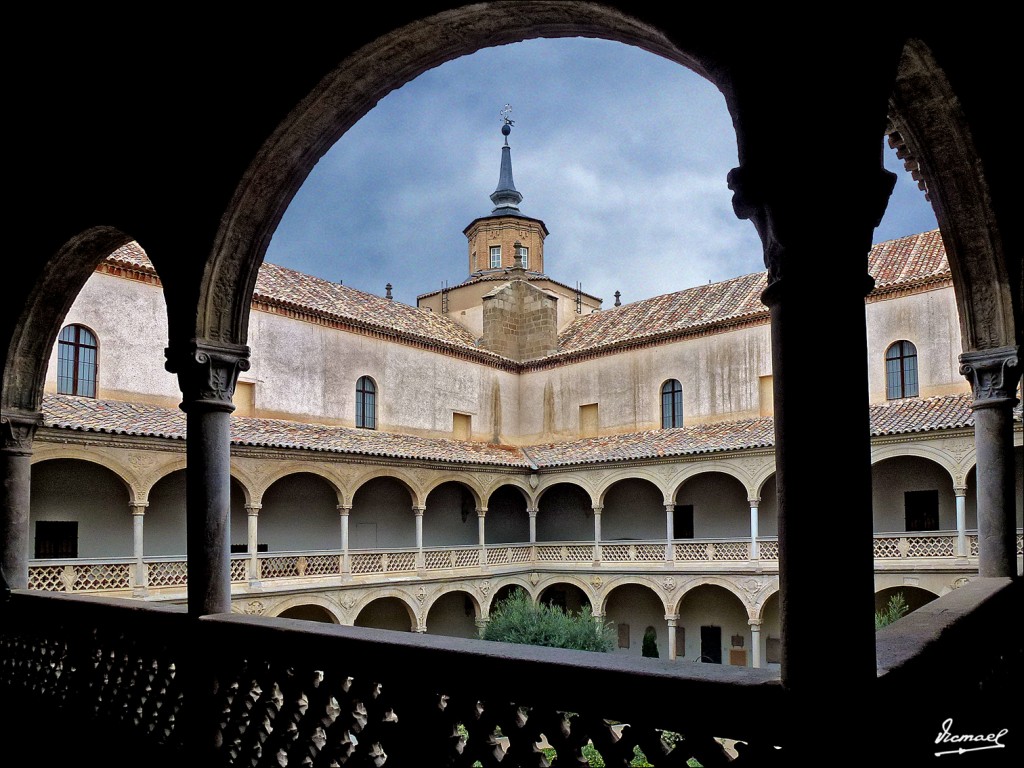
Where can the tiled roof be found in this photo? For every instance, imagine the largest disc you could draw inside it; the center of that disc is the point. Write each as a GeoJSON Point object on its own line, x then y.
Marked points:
{"type": "Point", "coordinates": [117, 417]}
{"type": "Point", "coordinates": [503, 277]}
{"type": "Point", "coordinates": [907, 261]}
{"type": "Point", "coordinates": [122, 418]}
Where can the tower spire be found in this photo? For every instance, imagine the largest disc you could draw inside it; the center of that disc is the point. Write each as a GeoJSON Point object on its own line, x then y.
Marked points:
{"type": "Point", "coordinates": [506, 197]}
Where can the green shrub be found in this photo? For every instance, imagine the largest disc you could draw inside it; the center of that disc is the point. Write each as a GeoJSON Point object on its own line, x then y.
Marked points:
{"type": "Point", "coordinates": [895, 609]}
{"type": "Point", "coordinates": [517, 619]}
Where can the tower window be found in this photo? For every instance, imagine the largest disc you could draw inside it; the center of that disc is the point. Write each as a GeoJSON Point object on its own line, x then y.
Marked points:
{"type": "Point", "coordinates": [524, 254]}
{"type": "Point", "coordinates": [901, 370]}
{"type": "Point", "coordinates": [671, 404]}
{"type": "Point", "coordinates": [495, 256]}
{"type": "Point", "coordinates": [366, 403]}
{"type": "Point", "coordinates": [76, 361]}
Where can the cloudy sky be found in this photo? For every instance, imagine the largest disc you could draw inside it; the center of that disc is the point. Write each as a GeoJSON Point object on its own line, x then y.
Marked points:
{"type": "Point", "coordinates": [621, 153]}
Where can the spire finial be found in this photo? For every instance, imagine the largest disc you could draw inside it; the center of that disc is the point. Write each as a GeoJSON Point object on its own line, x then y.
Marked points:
{"type": "Point", "coordinates": [506, 121]}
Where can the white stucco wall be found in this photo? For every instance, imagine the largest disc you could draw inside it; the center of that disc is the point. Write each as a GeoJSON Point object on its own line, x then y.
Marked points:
{"type": "Point", "coordinates": [713, 606]}
{"type": "Point", "coordinates": [299, 513]}
{"type": "Point", "coordinates": [129, 320]}
{"type": "Point", "coordinates": [640, 608]}
{"type": "Point", "coordinates": [450, 518]}
{"type": "Point", "coordinates": [891, 478]}
{"type": "Point", "coordinates": [928, 320]}
{"type": "Point", "coordinates": [382, 516]}
{"type": "Point", "coordinates": [633, 509]}
{"type": "Point", "coordinates": [720, 506]}
{"type": "Point", "coordinates": [565, 514]}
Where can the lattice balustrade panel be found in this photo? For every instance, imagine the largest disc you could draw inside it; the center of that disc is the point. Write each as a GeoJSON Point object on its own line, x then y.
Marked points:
{"type": "Point", "coordinates": [931, 546]}
{"type": "Point", "coordinates": [438, 559]}
{"type": "Point", "coordinates": [279, 567]}
{"type": "Point", "coordinates": [467, 558]}
{"type": "Point", "coordinates": [649, 553]}
{"type": "Point", "coordinates": [172, 574]}
{"type": "Point", "coordinates": [973, 543]}
{"type": "Point", "coordinates": [887, 547]}
{"type": "Point", "coordinates": [616, 553]}
{"type": "Point", "coordinates": [47, 578]}
{"type": "Point", "coordinates": [731, 550]}
{"type": "Point", "coordinates": [401, 561]}
{"type": "Point", "coordinates": [522, 554]}
{"type": "Point", "coordinates": [239, 570]}
{"type": "Point", "coordinates": [691, 551]}
{"type": "Point", "coordinates": [321, 565]}
{"type": "Point", "coordinates": [579, 553]}
{"type": "Point", "coordinates": [100, 576]}
{"type": "Point", "coordinates": [549, 554]}
{"type": "Point", "coordinates": [769, 550]}
{"type": "Point", "coordinates": [498, 556]}
{"type": "Point", "coordinates": [368, 562]}
{"type": "Point", "coordinates": [1020, 544]}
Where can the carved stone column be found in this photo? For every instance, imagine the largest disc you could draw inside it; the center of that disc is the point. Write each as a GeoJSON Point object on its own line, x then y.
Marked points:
{"type": "Point", "coordinates": [815, 248]}
{"type": "Point", "coordinates": [138, 510]}
{"type": "Point", "coordinates": [994, 374]}
{"type": "Point", "coordinates": [670, 529]}
{"type": "Point", "coordinates": [17, 429]}
{"type": "Point", "coordinates": [207, 373]}
{"type": "Point", "coordinates": [961, 520]}
{"type": "Point", "coordinates": [344, 511]}
{"type": "Point", "coordinates": [418, 513]}
{"type": "Point", "coordinates": [598, 509]}
{"type": "Point", "coordinates": [533, 525]}
{"type": "Point", "coordinates": [252, 537]}
{"type": "Point", "coordinates": [671, 619]}
{"type": "Point", "coordinates": [755, 643]}
{"type": "Point", "coordinates": [755, 548]}
{"type": "Point", "coordinates": [481, 517]}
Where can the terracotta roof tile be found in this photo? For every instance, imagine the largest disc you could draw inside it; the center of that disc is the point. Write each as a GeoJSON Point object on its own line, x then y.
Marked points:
{"type": "Point", "coordinates": [117, 417]}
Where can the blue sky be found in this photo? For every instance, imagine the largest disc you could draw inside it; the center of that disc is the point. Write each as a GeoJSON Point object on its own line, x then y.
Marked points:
{"type": "Point", "coordinates": [621, 153]}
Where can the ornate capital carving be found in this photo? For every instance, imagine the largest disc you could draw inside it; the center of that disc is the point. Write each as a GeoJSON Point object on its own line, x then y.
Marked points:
{"type": "Point", "coordinates": [17, 428]}
{"type": "Point", "coordinates": [777, 207]}
{"type": "Point", "coordinates": [993, 374]}
{"type": "Point", "coordinates": [207, 373]}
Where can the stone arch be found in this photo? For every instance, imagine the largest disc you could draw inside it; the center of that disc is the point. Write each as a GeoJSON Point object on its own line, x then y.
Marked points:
{"type": "Point", "coordinates": [716, 581]}
{"type": "Point", "coordinates": [136, 491]}
{"type": "Point", "coordinates": [635, 608]}
{"type": "Point", "coordinates": [508, 519]}
{"type": "Point", "coordinates": [512, 482]}
{"type": "Point", "coordinates": [450, 517]}
{"type": "Point", "coordinates": [43, 312]}
{"type": "Point", "coordinates": [506, 583]}
{"type": "Point", "coordinates": [389, 592]}
{"type": "Point", "coordinates": [606, 482]}
{"type": "Point", "coordinates": [454, 626]}
{"type": "Point", "coordinates": [374, 473]}
{"type": "Point", "coordinates": [649, 582]}
{"type": "Point", "coordinates": [467, 481]}
{"type": "Point", "coordinates": [382, 515]}
{"type": "Point", "coordinates": [548, 483]}
{"type": "Point", "coordinates": [914, 596]}
{"type": "Point", "coordinates": [912, 486]}
{"type": "Point", "coordinates": [716, 505]}
{"type": "Point", "coordinates": [347, 93]}
{"type": "Point", "coordinates": [757, 608]}
{"type": "Point", "coordinates": [927, 120]}
{"type": "Point", "coordinates": [713, 625]}
{"type": "Point", "coordinates": [549, 580]}
{"type": "Point", "coordinates": [299, 512]}
{"type": "Point", "coordinates": [297, 601]}
{"type": "Point", "coordinates": [689, 471]}
{"type": "Point", "coordinates": [565, 513]}
{"type": "Point", "coordinates": [278, 472]}
{"type": "Point", "coordinates": [632, 508]}
{"type": "Point", "coordinates": [933, 453]}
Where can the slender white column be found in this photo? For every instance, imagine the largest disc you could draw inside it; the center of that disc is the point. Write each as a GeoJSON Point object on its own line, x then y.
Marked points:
{"type": "Point", "coordinates": [597, 532]}
{"type": "Point", "coordinates": [481, 514]}
{"type": "Point", "coordinates": [961, 521]}
{"type": "Point", "coordinates": [418, 512]}
{"type": "Point", "coordinates": [138, 509]}
{"type": "Point", "coordinates": [755, 643]}
{"type": "Point", "coordinates": [343, 512]}
{"type": "Point", "coordinates": [533, 525]}
{"type": "Point", "coordinates": [253, 537]}
{"type": "Point", "coordinates": [670, 530]}
{"type": "Point", "coordinates": [755, 548]}
{"type": "Point", "coordinates": [671, 619]}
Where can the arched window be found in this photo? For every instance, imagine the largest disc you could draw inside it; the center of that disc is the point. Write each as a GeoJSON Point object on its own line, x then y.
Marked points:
{"type": "Point", "coordinates": [671, 404]}
{"type": "Point", "coordinates": [901, 370]}
{"type": "Point", "coordinates": [76, 361]}
{"type": "Point", "coordinates": [366, 403]}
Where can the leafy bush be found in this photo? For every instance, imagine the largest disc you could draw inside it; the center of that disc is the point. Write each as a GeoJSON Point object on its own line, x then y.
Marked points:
{"type": "Point", "coordinates": [517, 619]}
{"type": "Point", "coordinates": [895, 609]}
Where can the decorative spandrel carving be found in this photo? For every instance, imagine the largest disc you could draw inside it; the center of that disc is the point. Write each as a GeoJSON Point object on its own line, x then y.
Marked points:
{"type": "Point", "coordinates": [993, 374]}
{"type": "Point", "coordinates": [207, 373]}
{"type": "Point", "coordinates": [17, 430]}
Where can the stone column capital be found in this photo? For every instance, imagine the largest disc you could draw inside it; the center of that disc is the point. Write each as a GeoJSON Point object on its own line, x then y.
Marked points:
{"type": "Point", "coordinates": [138, 508]}
{"type": "Point", "coordinates": [755, 625]}
{"type": "Point", "coordinates": [598, 508]}
{"type": "Point", "coordinates": [778, 210]}
{"type": "Point", "coordinates": [207, 373]}
{"type": "Point", "coordinates": [253, 509]}
{"type": "Point", "coordinates": [344, 509]}
{"type": "Point", "coordinates": [418, 510]}
{"type": "Point", "coordinates": [754, 501]}
{"type": "Point", "coordinates": [532, 512]}
{"type": "Point", "coordinates": [17, 429]}
{"type": "Point", "coordinates": [960, 491]}
{"type": "Point", "coordinates": [481, 512]}
{"type": "Point", "coordinates": [993, 374]}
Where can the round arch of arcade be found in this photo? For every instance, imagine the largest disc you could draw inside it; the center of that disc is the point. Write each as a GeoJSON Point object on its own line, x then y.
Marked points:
{"type": "Point", "coordinates": [327, 603]}
{"type": "Point", "coordinates": [412, 605]}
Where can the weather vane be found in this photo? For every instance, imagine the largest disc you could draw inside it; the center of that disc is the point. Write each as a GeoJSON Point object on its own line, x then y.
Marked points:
{"type": "Point", "coordinates": [506, 121]}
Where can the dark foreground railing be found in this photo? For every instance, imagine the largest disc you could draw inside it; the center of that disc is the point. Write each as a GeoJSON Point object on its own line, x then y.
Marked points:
{"type": "Point", "coordinates": [156, 687]}
{"type": "Point", "coordinates": [126, 683]}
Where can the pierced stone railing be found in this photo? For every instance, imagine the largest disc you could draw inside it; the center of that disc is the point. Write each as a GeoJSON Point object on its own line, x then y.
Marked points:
{"type": "Point", "coordinates": [118, 574]}
{"type": "Point", "coordinates": [152, 686]}
{"type": "Point", "coordinates": [910, 545]}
